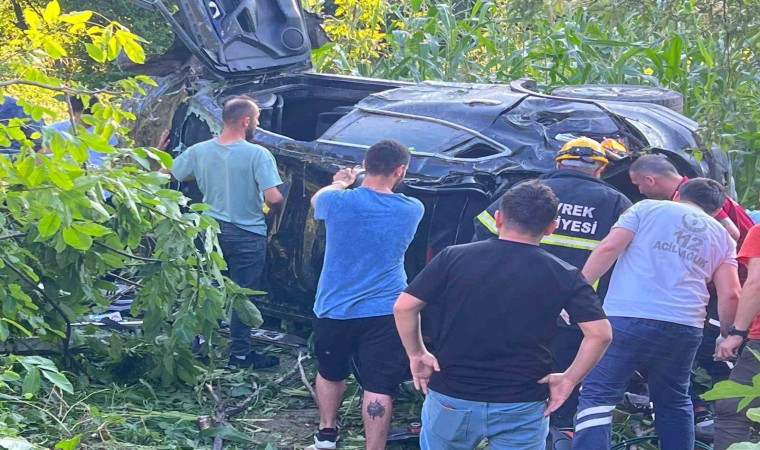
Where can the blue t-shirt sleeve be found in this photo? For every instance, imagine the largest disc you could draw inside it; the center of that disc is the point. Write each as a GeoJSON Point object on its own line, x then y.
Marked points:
{"type": "Point", "coordinates": [184, 164]}
{"type": "Point", "coordinates": [630, 219]}
{"type": "Point", "coordinates": [323, 203]}
{"type": "Point", "coordinates": [265, 171]}
{"type": "Point", "coordinates": [419, 211]}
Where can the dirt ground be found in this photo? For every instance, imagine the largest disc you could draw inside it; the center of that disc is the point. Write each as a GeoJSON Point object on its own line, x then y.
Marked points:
{"type": "Point", "coordinates": [287, 417]}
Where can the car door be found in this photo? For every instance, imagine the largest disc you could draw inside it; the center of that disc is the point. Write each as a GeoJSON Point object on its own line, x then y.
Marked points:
{"type": "Point", "coordinates": [236, 38]}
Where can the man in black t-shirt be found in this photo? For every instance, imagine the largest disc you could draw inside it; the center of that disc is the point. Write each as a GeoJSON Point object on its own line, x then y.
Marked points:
{"type": "Point", "coordinates": [499, 299]}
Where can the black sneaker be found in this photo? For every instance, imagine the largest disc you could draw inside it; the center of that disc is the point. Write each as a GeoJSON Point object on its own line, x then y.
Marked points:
{"type": "Point", "coordinates": [704, 424]}
{"type": "Point", "coordinates": [254, 361]}
{"type": "Point", "coordinates": [325, 439]}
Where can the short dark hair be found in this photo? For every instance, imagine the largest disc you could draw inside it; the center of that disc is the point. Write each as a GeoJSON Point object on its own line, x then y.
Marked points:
{"type": "Point", "coordinates": [238, 107]}
{"type": "Point", "coordinates": [706, 193]}
{"type": "Point", "coordinates": [77, 104]}
{"type": "Point", "coordinates": [653, 165]}
{"type": "Point", "coordinates": [530, 206]}
{"type": "Point", "coordinates": [386, 156]}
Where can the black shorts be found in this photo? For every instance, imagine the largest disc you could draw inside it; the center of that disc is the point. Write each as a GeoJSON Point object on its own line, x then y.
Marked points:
{"type": "Point", "coordinates": [369, 347]}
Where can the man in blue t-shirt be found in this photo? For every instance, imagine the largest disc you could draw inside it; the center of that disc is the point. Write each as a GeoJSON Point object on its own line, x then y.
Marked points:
{"type": "Point", "coordinates": [237, 179]}
{"type": "Point", "coordinates": [78, 109]}
{"type": "Point", "coordinates": [368, 231]}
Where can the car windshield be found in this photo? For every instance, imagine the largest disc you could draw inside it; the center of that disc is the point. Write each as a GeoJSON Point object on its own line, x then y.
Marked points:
{"type": "Point", "coordinates": [360, 128]}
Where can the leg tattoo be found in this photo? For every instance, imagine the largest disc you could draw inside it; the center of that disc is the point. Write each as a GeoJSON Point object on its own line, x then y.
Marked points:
{"type": "Point", "coordinates": [375, 410]}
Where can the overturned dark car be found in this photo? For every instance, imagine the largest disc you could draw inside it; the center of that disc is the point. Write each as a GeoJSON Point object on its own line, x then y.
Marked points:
{"type": "Point", "coordinates": [470, 142]}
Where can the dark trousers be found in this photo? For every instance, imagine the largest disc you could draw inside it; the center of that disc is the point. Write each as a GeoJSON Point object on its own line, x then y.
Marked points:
{"type": "Point", "coordinates": [666, 351]}
{"type": "Point", "coordinates": [718, 370]}
{"type": "Point", "coordinates": [733, 426]}
{"type": "Point", "coordinates": [245, 254]}
{"type": "Point", "coordinates": [565, 347]}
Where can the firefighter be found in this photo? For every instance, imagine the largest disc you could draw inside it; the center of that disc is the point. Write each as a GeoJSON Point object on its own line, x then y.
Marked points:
{"type": "Point", "coordinates": [588, 208]}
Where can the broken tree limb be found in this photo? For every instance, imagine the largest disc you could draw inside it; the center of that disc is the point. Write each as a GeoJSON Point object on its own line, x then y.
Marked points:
{"type": "Point", "coordinates": [305, 380]}
{"type": "Point", "coordinates": [222, 412]}
{"type": "Point", "coordinates": [242, 406]}
{"type": "Point", "coordinates": [64, 89]}
{"type": "Point", "coordinates": [219, 416]}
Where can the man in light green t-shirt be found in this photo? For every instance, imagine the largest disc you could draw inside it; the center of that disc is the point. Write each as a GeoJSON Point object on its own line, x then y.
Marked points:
{"type": "Point", "coordinates": [237, 179]}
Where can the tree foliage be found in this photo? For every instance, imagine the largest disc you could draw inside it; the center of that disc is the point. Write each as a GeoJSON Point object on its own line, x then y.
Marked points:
{"type": "Point", "coordinates": [78, 67]}
{"type": "Point", "coordinates": [68, 229]}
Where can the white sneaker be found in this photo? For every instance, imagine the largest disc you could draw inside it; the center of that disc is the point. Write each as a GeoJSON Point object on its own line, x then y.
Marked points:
{"type": "Point", "coordinates": [324, 441]}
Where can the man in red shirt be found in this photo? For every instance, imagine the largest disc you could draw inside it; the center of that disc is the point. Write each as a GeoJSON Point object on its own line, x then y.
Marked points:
{"type": "Point", "coordinates": [733, 425]}
{"type": "Point", "coordinates": [658, 179]}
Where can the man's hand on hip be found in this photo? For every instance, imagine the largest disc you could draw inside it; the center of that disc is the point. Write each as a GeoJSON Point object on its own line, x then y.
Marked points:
{"type": "Point", "coordinates": [560, 388]}
{"type": "Point", "coordinates": [422, 367]}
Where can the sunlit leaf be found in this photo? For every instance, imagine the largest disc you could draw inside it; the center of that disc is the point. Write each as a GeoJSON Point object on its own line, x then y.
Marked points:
{"type": "Point", "coordinates": [91, 228]}
{"type": "Point", "coordinates": [53, 48]}
{"type": "Point", "coordinates": [76, 17]}
{"type": "Point", "coordinates": [49, 224]}
{"type": "Point", "coordinates": [32, 18]}
{"type": "Point", "coordinates": [68, 444]}
{"type": "Point", "coordinates": [133, 50]}
{"type": "Point", "coordinates": [52, 12]}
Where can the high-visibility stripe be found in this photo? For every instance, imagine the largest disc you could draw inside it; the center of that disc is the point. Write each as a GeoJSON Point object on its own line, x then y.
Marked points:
{"type": "Point", "coordinates": [593, 423]}
{"type": "Point", "coordinates": [570, 241]}
{"type": "Point", "coordinates": [488, 221]}
{"type": "Point", "coordinates": [594, 410]}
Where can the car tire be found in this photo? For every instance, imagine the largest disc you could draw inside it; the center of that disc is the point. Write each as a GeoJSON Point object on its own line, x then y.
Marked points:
{"type": "Point", "coordinates": [624, 93]}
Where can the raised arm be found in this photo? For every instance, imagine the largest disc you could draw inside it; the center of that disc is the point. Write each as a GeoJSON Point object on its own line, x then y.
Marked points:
{"type": "Point", "coordinates": [341, 180]}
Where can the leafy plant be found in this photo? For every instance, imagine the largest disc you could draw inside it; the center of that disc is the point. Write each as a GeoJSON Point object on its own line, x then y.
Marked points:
{"type": "Point", "coordinates": [69, 229]}
{"type": "Point", "coordinates": [731, 389]}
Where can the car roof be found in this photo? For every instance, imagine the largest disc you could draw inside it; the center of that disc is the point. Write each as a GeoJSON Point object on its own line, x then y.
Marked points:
{"type": "Point", "coordinates": [444, 118]}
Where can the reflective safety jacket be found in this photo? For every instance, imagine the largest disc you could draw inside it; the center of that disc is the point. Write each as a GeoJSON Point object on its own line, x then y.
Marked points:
{"type": "Point", "coordinates": [588, 209]}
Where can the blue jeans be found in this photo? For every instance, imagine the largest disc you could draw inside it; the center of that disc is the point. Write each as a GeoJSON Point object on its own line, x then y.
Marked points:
{"type": "Point", "coordinates": [454, 424]}
{"type": "Point", "coordinates": [565, 345]}
{"type": "Point", "coordinates": [665, 351]}
{"type": "Point", "coordinates": [245, 254]}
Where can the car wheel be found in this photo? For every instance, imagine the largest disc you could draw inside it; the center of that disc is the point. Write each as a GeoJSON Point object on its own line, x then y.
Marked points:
{"type": "Point", "coordinates": [624, 93]}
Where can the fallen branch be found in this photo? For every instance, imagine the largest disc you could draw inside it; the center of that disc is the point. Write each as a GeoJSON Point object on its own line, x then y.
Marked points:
{"type": "Point", "coordinates": [219, 416]}
{"type": "Point", "coordinates": [63, 89]}
{"type": "Point", "coordinates": [222, 412]}
{"type": "Point", "coordinates": [242, 406]}
{"type": "Point", "coordinates": [305, 380]}
{"type": "Point", "coordinates": [12, 236]}
{"type": "Point", "coordinates": [128, 255]}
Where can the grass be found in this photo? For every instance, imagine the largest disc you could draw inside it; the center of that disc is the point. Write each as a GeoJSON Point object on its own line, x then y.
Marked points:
{"type": "Point", "coordinates": [145, 416]}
